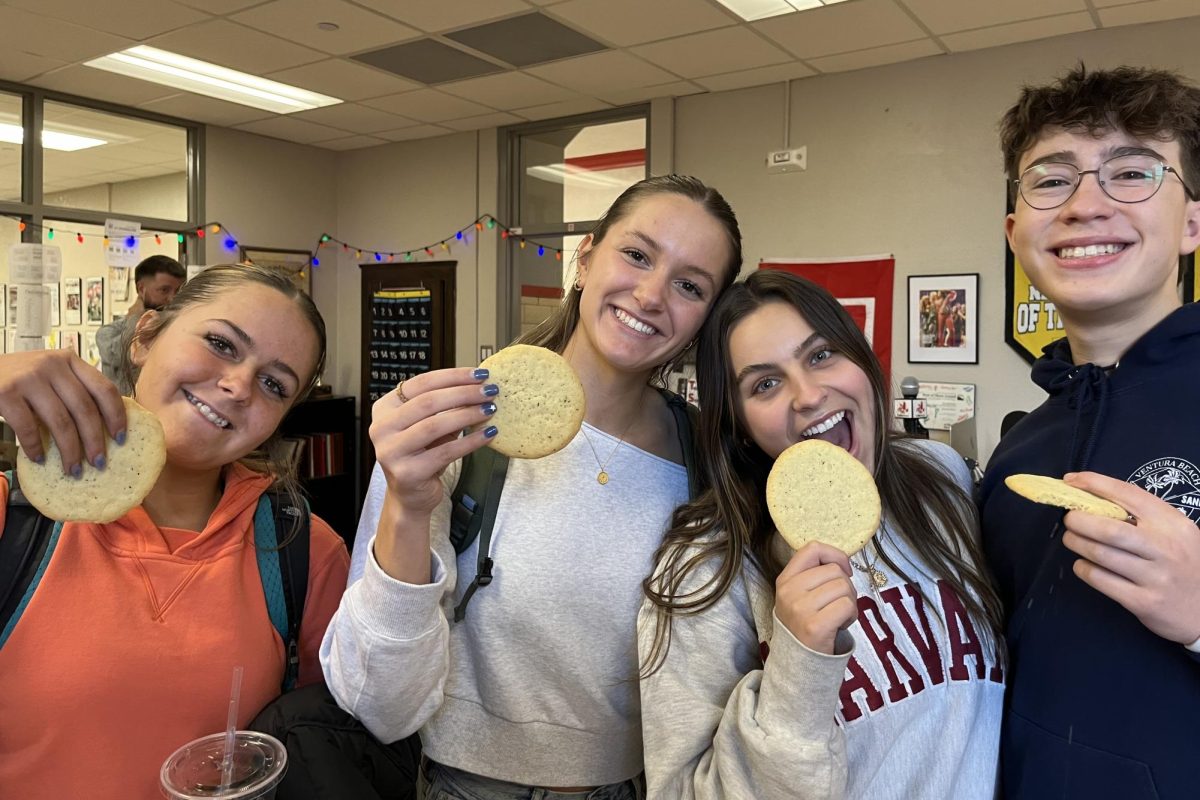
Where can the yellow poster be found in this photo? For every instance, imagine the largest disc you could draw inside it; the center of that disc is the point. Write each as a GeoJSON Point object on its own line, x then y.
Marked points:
{"type": "Point", "coordinates": [1031, 320]}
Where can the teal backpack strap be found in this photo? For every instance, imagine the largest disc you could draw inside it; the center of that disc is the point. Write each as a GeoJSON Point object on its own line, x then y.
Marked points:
{"type": "Point", "coordinates": [26, 547]}
{"type": "Point", "coordinates": [686, 418]}
{"type": "Point", "coordinates": [283, 571]}
{"type": "Point", "coordinates": [474, 501]}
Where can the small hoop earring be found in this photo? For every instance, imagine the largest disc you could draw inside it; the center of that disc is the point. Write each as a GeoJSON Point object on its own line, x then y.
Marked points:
{"type": "Point", "coordinates": [577, 286]}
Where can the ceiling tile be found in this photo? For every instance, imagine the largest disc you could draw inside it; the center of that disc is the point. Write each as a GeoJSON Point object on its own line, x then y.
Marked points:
{"type": "Point", "coordinates": [415, 132]}
{"type": "Point", "coordinates": [891, 54]}
{"type": "Point", "coordinates": [220, 6]}
{"type": "Point", "coordinates": [19, 67]}
{"type": "Point", "coordinates": [842, 28]}
{"type": "Point", "coordinates": [527, 39]}
{"type": "Point", "coordinates": [344, 79]}
{"type": "Point", "coordinates": [235, 46]}
{"type": "Point", "coordinates": [354, 117]}
{"type": "Point", "coordinates": [428, 61]}
{"type": "Point", "coordinates": [629, 96]}
{"type": "Point", "coordinates": [63, 41]}
{"type": "Point", "coordinates": [1152, 11]}
{"type": "Point", "coordinates": [351, 143]}
{"type": "Point", "coordinates": [483, 121]}
{"type": "Point", "coordinates": [755, 77]}
{"type": "Point", "coordinates": [135, 19]}
{"type": "Point", "coordinates": [432, 16]}
{"type": "Point", "coordinates": [723, 50]}
{"type": "Point", "coordinates": [296, 20]}
{"type": "Point", "coordinates": [1018, 32]}
{"type": "Point", "coordinates": [508, 90]}
{"type": "Point", "coordinates": [100, 85]}
{"type": "Point", "coordinates": [602, 71]}
{"type": "Point", "coordinates": [946, 16]}
{"type": "Point", "coordinates": [199, 108]}
{"type": "Point", "coordinates": [568, 108]}
{"type": "Point", "coordinates": [610, 19]}
{"type": "Point", "coordinates": [293, 130]}
{"type": "Point", "coordinates": [428, 105]}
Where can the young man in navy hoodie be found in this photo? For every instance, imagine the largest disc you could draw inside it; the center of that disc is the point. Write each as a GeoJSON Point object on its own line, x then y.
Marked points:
{"type": "Point", "coordinates": [1104, 615]}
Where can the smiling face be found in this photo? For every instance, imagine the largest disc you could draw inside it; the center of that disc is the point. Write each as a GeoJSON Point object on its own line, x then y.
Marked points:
{"type": "Point", "coordinates": [649, 283]}
{"type": "Point", "coordinates": [791, 384]}
{"type": "Point", "coordinates": [1096, 258]}
{"type": "Point", "coordinates": [221, 375]}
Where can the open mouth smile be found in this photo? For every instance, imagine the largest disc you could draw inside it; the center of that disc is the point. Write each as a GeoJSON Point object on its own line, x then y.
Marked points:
{"type": "Point", "coordinates": [206, 411]}
{"type": "Point", "coordinates": [633, 323]}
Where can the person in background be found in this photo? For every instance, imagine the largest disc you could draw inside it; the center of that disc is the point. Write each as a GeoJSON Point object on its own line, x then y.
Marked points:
{"type": "Point", "coordinates": [780, 675]}
{"type": "Point", "coordinates": [156, 280]}
{"type": "Point", "coordinates": [1103, 620]}
{"type": "Point", "coordinates": [126, 646]}
{"type": "Point", "coordinates": [537, 685]}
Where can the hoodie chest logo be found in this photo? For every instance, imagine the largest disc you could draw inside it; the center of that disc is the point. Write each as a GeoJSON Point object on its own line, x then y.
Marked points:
{"type": "Point", "coordinates": [1174, 480]}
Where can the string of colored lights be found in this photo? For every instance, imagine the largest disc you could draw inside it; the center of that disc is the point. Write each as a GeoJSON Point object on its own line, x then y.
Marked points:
{"type": "Point", "coordinates": [461, 236]}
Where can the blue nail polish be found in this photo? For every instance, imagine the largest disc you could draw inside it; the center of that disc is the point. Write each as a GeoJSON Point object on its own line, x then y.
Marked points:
{"type": "Point", "coordinates": [77, 471]}
{"type": "Point", "coordinates": [481, 374]}
{"type": "Point", "coordinates": [491, 390]}
{"type": "Point", "coordinates": [120, 437]}
{"type": "Point", "coordinates": [490, 431]}
{"type": "Point", "coordinates": [98, 462]}
{"type": "Point", "coordinates": [488, 408]}
{"type": "Point", "coordinates": [39, 460]}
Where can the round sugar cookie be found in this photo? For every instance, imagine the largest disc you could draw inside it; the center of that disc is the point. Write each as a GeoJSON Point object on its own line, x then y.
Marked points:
{"type": "Point", "coordinates": [541, 403]}
{"type": "Point", "coordinates": [98, 495]}
{"type": "Point", "coordinates": [817, 491]}
{"type": "Point", "coordinates": [1054, 492]}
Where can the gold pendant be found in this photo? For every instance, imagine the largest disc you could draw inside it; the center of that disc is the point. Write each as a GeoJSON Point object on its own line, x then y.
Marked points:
{"type": "Point", "coordinates": [879, 577]}
{"type": "Point", "coordinates": [602, 478]}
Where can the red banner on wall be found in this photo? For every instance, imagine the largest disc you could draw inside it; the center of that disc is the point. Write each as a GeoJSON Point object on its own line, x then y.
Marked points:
{"type": "Point", "coordinates": [863, 285]}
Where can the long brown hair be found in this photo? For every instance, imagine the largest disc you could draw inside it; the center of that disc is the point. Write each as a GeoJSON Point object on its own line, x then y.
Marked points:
{"type": "Point", "coordinates": [729, 521]}
{"type": "Point", "coordinates": [555, 331]}
{"type": "Point", "coordinates": [206, 287]}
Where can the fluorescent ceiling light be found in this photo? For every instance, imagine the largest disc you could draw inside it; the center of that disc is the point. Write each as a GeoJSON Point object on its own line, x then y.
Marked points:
{"type": "Point", "coordinates": [751, 10]}
{"type": "Point", "coordinates": [211, 80]}
{"type": "Point", "coordinates": [51, 140]}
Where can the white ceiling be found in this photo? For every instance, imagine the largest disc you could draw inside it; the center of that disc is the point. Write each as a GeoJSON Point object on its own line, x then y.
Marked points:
{"type": "Point", "coordinates": [658, 48]}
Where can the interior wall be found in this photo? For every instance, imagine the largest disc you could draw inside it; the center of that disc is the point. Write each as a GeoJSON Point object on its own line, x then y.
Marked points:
{"type": "Point", "coordinates": [904, 159]}
{"type": "Point", "coordinates": [276, 195]}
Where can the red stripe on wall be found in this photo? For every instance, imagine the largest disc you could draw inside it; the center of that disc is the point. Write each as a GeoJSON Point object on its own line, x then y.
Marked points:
{"type": "Point", "coordinates": [603, 161]}
{"type": "Point", "coordinates": [541, 291]}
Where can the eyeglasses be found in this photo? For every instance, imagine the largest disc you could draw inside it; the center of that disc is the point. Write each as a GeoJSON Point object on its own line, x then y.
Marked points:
{"type": "Point", "coordinates": [1126, 179]}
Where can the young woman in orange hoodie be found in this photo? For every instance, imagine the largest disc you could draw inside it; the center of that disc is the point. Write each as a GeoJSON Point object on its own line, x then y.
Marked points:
{"type": "Point", "coordinates": [125, 649]}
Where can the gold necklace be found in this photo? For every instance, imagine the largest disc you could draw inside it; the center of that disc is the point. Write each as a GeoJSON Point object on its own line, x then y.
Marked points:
{"type": "Point", "coordinates": [878, 576]}
{"type": "Point", "coordinates": [602, 476]}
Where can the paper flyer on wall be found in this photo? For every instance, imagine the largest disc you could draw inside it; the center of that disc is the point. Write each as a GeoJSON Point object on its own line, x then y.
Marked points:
{"type": "Point", "coordinates": [33, 311]}
{"type": "Point", "coordinates": [34, 264]}
{"type": "Point", "coordinates": [122, 237]}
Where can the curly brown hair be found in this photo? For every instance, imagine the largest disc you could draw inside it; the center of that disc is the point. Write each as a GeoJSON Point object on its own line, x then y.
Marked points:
{"type": "Point", "coordinates": [1150, 104]}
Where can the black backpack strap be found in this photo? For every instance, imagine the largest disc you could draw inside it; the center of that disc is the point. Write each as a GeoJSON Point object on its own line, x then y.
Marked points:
{"type": "Point", "coordinates": [27, 541]}
{"type": "Point", "coordinates": [474, 501]}
{"type": "Point", "coordinates": [686, 421]}
{"type": "Point", "coordinates": [289, 567]}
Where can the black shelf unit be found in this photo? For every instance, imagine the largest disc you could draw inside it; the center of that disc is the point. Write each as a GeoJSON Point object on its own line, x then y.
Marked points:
{"type": "Point", "coordinates": [334, 497]}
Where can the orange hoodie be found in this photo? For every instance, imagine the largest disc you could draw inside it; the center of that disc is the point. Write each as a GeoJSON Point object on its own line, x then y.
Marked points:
{"type": "Point", "coordinates": [127, 648]}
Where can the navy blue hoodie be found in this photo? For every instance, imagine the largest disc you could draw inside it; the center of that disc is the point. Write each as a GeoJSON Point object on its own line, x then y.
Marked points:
{"type": "Point", "coordinates": [1098, 706]}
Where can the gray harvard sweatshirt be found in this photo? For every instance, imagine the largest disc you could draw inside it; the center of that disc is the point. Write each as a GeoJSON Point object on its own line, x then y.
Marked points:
{"type": "Point", "coordinates": [538, 685]}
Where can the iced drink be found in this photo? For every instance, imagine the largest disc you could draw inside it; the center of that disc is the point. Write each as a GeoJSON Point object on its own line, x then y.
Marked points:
{"type": "Point", "coordinates": [194, 770]}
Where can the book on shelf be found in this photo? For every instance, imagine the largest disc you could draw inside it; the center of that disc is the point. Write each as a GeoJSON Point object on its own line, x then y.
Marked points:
{"type": "Point", "coordinates": [317, 455]}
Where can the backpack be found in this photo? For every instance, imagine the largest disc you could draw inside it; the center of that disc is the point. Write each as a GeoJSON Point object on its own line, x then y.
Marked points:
{"type": "Point", "coordinates": [30, 538]}
{"type": "Point", "coordinates": [476, 496]}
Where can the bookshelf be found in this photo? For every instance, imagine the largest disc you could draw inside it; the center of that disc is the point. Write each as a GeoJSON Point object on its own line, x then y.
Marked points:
{"type": "Point", "coordinates": [323, 437]}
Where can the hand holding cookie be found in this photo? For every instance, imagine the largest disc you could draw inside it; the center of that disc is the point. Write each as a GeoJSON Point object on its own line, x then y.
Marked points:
{"type": "Point", "coordinates": [57, 390]}
{"type": "Point", "coordinates": [815, 597]}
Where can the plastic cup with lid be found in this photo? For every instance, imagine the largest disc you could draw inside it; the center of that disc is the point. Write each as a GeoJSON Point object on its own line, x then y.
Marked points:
{"type": "Point", "coordinates": [194, 771]}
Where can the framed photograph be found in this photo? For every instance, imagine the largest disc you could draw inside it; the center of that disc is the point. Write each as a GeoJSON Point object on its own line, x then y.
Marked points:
{"type": "Point", "coordinates": [296, 263]}
{"type": "Point", "coordinates": [91, 351]}
{"type": "Point", "coordinates": [69, 340]}
{"type": "Point", "coordinates": [73, 297]}
{"type": "Point", "coordinates": [943, 319]}
{"type": "Point", "coordinates": [93, 300]}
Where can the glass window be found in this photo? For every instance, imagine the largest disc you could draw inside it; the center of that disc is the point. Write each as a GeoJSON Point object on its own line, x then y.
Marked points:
{"type": "Point", "coordinates": [11, 135]}
{"type": "Point", "coordinates": [109, 163]}
{"type": "Point", "coordinates": [574, 173]}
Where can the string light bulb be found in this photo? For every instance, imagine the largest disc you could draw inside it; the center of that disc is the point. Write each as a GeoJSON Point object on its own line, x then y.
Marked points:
{"type": "Point", "coordinates": [491, 223]}
{"type": "Point", "coordinates": [458, 236]}
{"type": "Point", "coordinates": [316, 262]}
{"type": "Point", "coordinates": [21, 226]}
{"type": "Point", "coordinates": [216, 228]}
{"type": "Point", "coordinates": [179, 238]}
{"type": "Point", "coordinates": [199, 233]}
{"type": "Point", "coordinates": [79, 238]}
{"type": "Point", "coordinates": [50, 234]}
{"type": "Point", "coordinates": [130, 241]}
{"type": "Point", "coordinates": [522, 244]}
{"type": "Point", "coordinates": [157, 239]}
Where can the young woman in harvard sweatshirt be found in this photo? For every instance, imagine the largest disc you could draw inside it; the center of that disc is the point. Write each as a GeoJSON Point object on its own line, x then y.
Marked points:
{"type": "Point", "coordinates": [126, 648]}
{"type": "Point", "coordinates": [537, 685]}
{"type": "Point", "coordinates": [769, 674]}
